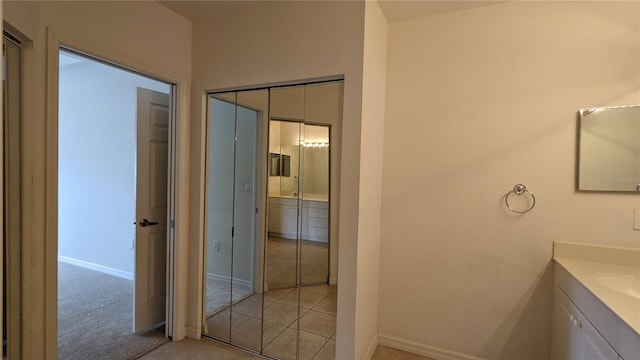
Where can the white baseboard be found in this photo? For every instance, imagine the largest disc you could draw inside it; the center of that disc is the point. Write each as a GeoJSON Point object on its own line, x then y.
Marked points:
{"type": "Point", "coordinates": [96, 267]}
{"type": "Point", "coordinates": [423, 350]}
{"type": "Point", "coordinates": [245, 283]}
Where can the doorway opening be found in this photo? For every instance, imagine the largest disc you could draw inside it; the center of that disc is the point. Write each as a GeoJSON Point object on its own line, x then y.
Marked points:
{"type": "Point", "coordinates": [113, 173]}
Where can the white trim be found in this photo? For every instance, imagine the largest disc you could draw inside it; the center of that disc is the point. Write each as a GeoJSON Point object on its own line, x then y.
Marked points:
{"type": "Point", "coordinates": [372, 348]}
{"type": "Point", "coordinates": [246, 283]}
{"type": "Point", "coordinates": [194, 333]}
{"type": "Point", "coordinates": [423, 350]}
{"type": "Point", "coordinates": [96, 267]}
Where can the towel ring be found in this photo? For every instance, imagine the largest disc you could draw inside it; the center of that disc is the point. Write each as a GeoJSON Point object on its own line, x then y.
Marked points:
{"type": "Point", "coordinates": [519, 190]}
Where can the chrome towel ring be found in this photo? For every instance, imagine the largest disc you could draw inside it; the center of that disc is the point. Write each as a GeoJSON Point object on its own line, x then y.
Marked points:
{"type": "Point", "coordinates": [520, 189]}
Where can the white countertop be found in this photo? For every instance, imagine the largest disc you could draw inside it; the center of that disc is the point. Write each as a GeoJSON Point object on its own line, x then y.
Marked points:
{"type": "Point", "coordinates": [587, 265]}
{"type": "Point", "coordinates": [626, 307]}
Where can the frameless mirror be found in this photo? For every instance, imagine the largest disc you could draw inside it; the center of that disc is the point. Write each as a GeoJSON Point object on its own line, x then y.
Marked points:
{"type": "Point", "coordinates": [609, 156]}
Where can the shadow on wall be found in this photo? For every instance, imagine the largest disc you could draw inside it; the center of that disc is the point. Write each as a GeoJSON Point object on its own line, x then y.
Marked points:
{"type": "Point", "coordinates": [534, 307]}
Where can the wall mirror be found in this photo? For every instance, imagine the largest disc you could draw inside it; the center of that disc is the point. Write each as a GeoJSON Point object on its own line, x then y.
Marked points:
{"type": "Point", "coordinates": [271, 244]}
{"type": "Point", "coordinates": [609, 150]}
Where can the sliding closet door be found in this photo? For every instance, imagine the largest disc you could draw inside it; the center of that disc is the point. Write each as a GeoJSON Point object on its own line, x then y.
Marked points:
{"type": "Point", "coordinates": [220, 214]}
{"type": "Point", "coordinates": [268, 211]}
{"type": "Point", "coordinates": [299, 298]}
{"type": "Point", "coordinates": [246, 308]}
{"type": "Point", "coordinates": [234, 227]}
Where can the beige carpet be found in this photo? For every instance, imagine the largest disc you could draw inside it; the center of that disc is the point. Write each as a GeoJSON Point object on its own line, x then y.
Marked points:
{"type": "Point", "coordinates": [95, 315]}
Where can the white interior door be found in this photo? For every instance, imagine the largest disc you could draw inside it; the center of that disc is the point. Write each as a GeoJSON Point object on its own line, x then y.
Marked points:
{"type": "Point", "coordinates": [151, 209]}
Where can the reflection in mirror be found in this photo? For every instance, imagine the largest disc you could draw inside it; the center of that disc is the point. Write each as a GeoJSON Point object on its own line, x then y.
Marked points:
{"type": "Point", "coordinates": [233, 268]}
{"type": "Point", "coordinates": [219, 214]}
{"type": "Point", "coordinates": [281, 311]}
{"type": "Point", "coordinates": [299, 297]}
{"type": "Point", "coordinates": [246, 310]}
{"type": "Point", "coordinates": [609, 158]}
{"type": "Point", "coordinates": [314, 257]}
{"type": "Point", "coordinates": [282, 246]}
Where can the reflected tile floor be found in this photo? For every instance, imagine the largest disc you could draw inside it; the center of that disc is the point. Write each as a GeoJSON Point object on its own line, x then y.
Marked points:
{"type": "Point", "coordinates": [189, 349]}
{"type": "Point", "coordinates": [317, 323]}
{"type": "Point", "coordinates": [281, 262]}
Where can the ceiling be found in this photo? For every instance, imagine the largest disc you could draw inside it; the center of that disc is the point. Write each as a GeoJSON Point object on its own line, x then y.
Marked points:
{"type": "Point", "coordinates": [394, 10]}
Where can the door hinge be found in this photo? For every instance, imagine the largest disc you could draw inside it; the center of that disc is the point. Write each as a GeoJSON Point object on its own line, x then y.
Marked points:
{"type": "Point", "coordinates": [232, 231]}
{"type": "Point", "coordinates": [172, 224]}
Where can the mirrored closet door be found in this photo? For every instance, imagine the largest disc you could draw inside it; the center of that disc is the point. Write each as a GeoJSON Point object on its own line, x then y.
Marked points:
{"type": "Point", "coordinates": [269, 208]}
{"type": "Point", "coordinates": [233, 295]}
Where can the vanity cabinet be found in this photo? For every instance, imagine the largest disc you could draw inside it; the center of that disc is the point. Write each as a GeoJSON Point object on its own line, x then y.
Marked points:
{"type": "Point", "coordinates": [283, 217]}
{"type": "Point", "coordinates": [574, 337]}
{"type": "Point", "coordinates": [314, 218]}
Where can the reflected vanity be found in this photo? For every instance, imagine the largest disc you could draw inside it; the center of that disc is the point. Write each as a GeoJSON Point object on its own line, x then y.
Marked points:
{"type": "Point", "coordinates": [270, 265]}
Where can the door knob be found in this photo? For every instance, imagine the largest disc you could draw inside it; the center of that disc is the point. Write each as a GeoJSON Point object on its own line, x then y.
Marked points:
{"type": "Point", "coordinates": [145, 222]}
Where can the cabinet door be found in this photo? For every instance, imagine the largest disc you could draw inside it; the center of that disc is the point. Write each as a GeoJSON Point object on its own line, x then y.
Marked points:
{"type": "Point", "coordinates": [566, 334]}
{"type": "Point", "coordinates": [574, 337]}
{"type": "Point", "coordinates": [594, 345]}
{"type": "Point", "coordinates": [275, 218]}
{"type": "Point", "coordinates": [283, 220]}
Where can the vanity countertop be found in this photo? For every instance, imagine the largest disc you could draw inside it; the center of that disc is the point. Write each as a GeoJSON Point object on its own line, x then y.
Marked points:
{"type": "Point", "coordinates": [611, 274]}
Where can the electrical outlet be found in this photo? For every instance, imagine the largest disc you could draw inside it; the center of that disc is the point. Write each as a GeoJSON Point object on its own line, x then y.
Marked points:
{"type": "Point", "coordinates": [216, 246]}
{"type": "Point", "coordinates": [132, 244]}
{"type": "Point", "coordinates": [636, 220]}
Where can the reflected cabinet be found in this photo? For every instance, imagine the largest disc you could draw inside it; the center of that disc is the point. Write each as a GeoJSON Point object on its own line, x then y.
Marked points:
{"type": "Point", "coordinates": [270, 280]}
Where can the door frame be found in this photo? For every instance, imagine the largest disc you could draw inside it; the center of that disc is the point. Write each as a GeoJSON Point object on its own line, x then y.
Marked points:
{"type": "Point", "coordinates": [12, 208]}
{"type": "Point", "coordinates": [178, 179]}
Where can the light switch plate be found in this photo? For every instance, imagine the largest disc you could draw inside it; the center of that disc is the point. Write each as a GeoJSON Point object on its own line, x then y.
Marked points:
{"type": "Point", "coordinates": [636, 220]}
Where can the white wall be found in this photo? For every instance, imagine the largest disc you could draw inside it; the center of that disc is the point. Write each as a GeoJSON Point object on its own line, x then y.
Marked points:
{"type": "Point", "coordinates": [478, 101]}
{"type": "Point", "coordinates": [252, 43]}
{"type": "Point", "coordinates": [143, 35]}
{"type": "Point", "coordinates": [96, 170]}
{"type": "Point", "coordinates": [371, 168]}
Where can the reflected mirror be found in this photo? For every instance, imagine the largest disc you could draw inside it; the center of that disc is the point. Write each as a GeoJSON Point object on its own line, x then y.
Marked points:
{"type": "Point", "coordinates": [609, 156]}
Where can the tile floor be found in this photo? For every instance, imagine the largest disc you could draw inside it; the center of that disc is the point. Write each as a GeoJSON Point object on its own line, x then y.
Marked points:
{"type": "Point", "coordinates": [189, 349]}
{"type": "Point", "coordinates": [314, 323]}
